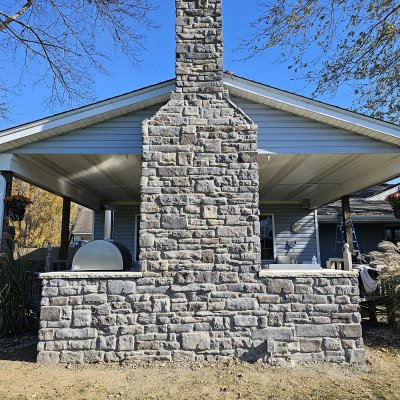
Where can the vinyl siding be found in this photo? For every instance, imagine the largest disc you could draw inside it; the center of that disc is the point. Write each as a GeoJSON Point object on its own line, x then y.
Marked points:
{"type": "Point", "coordinates": [284, 217]}
{"type": "Point", "coordinates": [122, 135]}
{"type": "Point", "coordinates": [124, 226]}
{"type": "Point", "coordinates": [368, 235]}
{"type": "Point", "coordinates": [283, 133]}
{"type": "Point", "coordinates": [278, 132]}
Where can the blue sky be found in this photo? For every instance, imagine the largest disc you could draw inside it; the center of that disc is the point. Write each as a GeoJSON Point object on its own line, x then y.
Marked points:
{"type": "Point", "coordinates": [158, 64]}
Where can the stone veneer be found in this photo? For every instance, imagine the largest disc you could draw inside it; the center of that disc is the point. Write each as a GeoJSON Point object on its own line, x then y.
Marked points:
{"type": "Point", "coordinates": [199, 204]}
{"type": "Point", "coordinates": [277, 317]}
{"type": "Point", "coordinates": [201, 294]}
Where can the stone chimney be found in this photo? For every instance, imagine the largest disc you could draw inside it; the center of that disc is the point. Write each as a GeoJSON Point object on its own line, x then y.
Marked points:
{"type": "Point", "coordinates": [199, 187]}
{"type": "Point", "coordinates": [199, 46]}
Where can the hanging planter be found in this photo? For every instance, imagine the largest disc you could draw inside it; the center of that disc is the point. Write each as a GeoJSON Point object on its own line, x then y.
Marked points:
{"type": "Point", "coordinates": [394, 200]}
{"type": "Point", "coordinates": [16, 205]}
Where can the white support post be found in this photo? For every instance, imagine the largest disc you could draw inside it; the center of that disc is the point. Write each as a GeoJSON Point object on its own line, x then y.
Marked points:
{"type": "Point", "coordinates": [2, 196]}
{"type": "Point", "coordinates": [347, 258]}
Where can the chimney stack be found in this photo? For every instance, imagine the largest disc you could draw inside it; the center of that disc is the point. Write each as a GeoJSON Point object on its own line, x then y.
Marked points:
{"type": "Point", "coordinates": [199, 46]}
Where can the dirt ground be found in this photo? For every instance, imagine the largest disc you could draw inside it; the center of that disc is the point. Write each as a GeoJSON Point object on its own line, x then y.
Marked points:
{"type": "Point", "coordinates": [379, 378]}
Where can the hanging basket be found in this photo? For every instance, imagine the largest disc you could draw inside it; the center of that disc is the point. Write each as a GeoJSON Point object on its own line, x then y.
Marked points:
{"type": "Point", "coordinates": [16, 205]}
{"type": "Point", "coordinates": [394, 200]}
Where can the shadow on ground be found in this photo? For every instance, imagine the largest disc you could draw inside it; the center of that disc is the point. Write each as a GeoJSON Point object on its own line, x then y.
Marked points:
{"type": "Point", "coordinates": [379, 334]}
{"type": "Point", "coordinates": [19, 348]}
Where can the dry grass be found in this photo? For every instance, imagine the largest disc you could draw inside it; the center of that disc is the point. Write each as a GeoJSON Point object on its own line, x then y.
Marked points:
{"type": "Point", "coordinates": [378, 379]}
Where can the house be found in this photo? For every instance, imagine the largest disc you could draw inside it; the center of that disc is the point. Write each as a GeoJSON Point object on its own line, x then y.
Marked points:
{"type": "Point", "coordinates": [310, 154]}
{"type": "Point", "coordinates": [225, 173]}
{"type": "Point", "coordinates": [372, 218]}
{"type": "Point", "coordinates": [83, 229]}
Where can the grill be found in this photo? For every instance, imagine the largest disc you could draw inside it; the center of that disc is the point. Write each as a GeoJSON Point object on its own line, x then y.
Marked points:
{"type": "Point", "coordinates": [103, 255]}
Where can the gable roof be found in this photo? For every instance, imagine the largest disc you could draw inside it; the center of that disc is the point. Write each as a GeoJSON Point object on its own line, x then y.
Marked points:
{"type": "Point", "coordinates": [61, 123]}
{"type": "Point", "coordinates": [84, 221]}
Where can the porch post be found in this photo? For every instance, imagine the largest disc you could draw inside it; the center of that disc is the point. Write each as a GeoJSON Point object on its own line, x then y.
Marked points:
{"type": "Point", "coordinates": [347, 223]}
{"type": "Point", "coordinates": [7, 234]}
{"type": "Point", "coordinates": [66, 212]}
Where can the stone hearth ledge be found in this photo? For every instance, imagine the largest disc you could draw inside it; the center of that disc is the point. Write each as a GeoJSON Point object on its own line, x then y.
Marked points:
{"type": "Point", "coordinates": [323, 273]}
{"type": "Point", "coordinates": [90, 275]}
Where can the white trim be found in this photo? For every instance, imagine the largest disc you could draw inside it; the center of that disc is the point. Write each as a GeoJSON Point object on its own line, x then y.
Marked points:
{"type": "Point", "coordinates": [61, 123]}
{"type": "Point", "coordinates": [317, 236]}
{"type": "Point", "coordinates": [91, 275]}
{"type": "Point", "coordinates": [321, 273]}
{"type": "Point", "coordinates": [84, 116]}
{"type": "Point", "coordinates": [335, 116]}
{"type": "Point", "coordinates": [3, 184]}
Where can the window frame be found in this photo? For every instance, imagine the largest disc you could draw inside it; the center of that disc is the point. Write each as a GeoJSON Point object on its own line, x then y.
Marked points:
{"type": "Point", "coordinates": [272, 215]}
{"type": "Point", "coordinates": [390, 226]}
{"type": "Point", "coordinates": [136, 248]}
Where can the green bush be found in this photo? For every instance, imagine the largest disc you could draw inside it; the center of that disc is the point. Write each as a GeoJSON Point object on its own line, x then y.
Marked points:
{"type": "Point", "coordinates": [16, 279]}
{"type": "Point", "coordinates": [388, 257]}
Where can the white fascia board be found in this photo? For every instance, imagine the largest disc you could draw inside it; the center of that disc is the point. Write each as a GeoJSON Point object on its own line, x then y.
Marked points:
{"type": "Point", "coordinates": [93, 113]}
{"type": "Point", "coordinates": [331, 115]}
{"type": "Point", "coordinates": [360, 218]}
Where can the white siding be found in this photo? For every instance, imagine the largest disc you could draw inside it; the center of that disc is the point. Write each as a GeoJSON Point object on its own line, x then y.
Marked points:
{"type": "Point", "coordinates": [284, 216]}
{"type": "Point", "coordinates": [283, 133]}
{"type": "Point", "coordinates": [122, 135]}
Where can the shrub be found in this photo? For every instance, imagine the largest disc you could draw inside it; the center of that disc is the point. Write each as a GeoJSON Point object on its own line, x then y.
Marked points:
{"type": "Point", "coordinates": [388, 257]}
{"type": "Point", "coordinates": [16, 279]}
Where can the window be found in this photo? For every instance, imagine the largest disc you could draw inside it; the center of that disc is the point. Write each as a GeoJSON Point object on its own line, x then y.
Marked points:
{"type": "Point", "coordinates": [136, 235]}
{"type": "Point", "coordinates": [392, 233]}
{"type": "Point", "coordinates": [267, 237]}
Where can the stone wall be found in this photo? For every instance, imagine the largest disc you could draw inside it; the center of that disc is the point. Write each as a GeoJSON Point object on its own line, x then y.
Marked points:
{"type": "Point", "coordinates": [280, 317]}
{"type": "Point", "coordinates": [200, 295]}
{"type": "Point", "coordinates": [199, 186]}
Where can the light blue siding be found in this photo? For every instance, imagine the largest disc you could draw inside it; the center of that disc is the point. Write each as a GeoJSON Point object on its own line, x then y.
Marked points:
{"type": "Point", "coordinates": [124, 226]}
{"type": "Point", "coordinates": [122, 135]}
{"type": "Point", "coordinates": [278, 132]}
{"type": "Point", "coordinates": [283, 133]}
{"type": "Point", "coordinates": [368, 234]}
{"type": "Point", "coordinates": [284, 217]}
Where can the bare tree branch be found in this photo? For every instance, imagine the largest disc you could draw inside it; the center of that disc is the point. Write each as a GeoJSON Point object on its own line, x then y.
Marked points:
{"type": "Point", "coordinates": [14, 17]}
{"type": "Point", "coordinates": [335, 43]}
{"type": "Point", "coordinates": [58, 44]}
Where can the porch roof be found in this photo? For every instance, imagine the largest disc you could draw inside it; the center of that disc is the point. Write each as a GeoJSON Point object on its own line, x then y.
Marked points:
{"type": "Point", "coordinates": [313, 176]}
{"type": "Point", "coordinates": [61, 123]}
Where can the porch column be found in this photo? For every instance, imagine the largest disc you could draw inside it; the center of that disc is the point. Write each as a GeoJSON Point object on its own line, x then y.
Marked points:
{"type": "Point", "coordinates": [66, 212]}
{"type": "Point", "coordinates": [7, 232]}
{"type": "Point", "coordinates": [347, 223]}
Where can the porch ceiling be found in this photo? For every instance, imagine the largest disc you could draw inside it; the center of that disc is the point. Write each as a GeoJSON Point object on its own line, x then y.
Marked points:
{"type": "Point", "coordinates": [108, 178]}
{"type": "Point", "coordinates": [322, 178]}
{"type": "Point", "coordinates": [115, 179]}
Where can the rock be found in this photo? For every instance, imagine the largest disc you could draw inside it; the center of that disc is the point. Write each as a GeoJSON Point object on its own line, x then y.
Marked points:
{"type": "Point", "coordinates": [120, 287]}
{"type": "Point", "coordinates": [81, 318]}
{"type": "Point", "coordinates": [195, 341]}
